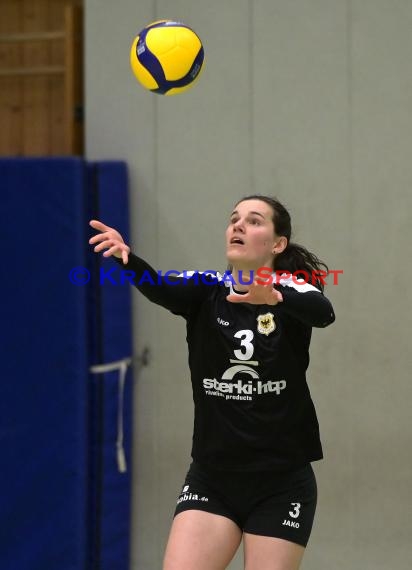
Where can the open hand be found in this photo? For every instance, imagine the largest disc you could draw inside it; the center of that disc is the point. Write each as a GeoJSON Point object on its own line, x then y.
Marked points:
{"type": "Point", "coordinates": [258, 295]}
{"type": "Point", "coordinates": [109, 239]}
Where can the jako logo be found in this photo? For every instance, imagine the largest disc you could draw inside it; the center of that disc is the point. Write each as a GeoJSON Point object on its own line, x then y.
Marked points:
{"type": "Point", "coordinates": [294, 514]}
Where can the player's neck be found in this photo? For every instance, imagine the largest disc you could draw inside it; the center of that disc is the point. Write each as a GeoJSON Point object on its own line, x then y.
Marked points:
{"type": "Point", "coordinates": [243, 278]}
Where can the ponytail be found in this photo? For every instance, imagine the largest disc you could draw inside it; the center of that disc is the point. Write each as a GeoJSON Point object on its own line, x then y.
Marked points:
{"type": "Point", "coordinates": [297, 260]}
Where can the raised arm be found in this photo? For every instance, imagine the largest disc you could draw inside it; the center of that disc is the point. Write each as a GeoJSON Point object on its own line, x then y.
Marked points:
{"type": "Point", "coordinates": [177, 294]}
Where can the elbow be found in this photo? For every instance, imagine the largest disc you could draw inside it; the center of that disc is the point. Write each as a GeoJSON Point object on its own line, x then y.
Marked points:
{"type": "Point", "coordinates": [327, 319]}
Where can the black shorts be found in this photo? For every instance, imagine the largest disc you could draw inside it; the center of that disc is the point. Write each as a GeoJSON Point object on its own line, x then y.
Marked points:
{"type": "Point", "coordinates": [264, 503]}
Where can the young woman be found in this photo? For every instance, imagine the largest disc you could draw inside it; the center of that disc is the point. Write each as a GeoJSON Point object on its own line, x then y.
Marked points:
{"type": "Point", "coordinates": [255, 429]}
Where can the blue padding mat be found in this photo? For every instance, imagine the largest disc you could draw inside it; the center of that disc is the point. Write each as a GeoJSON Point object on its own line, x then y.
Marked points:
{"type": "Point", "coordinates": [43, 404]}
{"type": "Point", "coordinates": [64, 503]}
{"type": "Point", "coordinates": [108, 191]}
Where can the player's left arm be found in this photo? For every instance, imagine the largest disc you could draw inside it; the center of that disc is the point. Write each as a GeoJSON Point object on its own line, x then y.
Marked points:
{"type": "Point", "coordinates": [311, 307]}
{"type": "Point", "coordinates": [301, 301]}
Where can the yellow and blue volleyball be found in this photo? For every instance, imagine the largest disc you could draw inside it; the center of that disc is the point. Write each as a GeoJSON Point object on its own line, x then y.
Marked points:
{"type": "Point", "coordinates": [167, 57]}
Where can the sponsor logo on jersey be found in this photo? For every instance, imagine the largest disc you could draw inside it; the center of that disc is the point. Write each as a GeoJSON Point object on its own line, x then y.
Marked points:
{"type": "Point", "coordinates": [229, 386]}
{"type": "Point", "coordinates": [234, 390]}
{"type": "Point", "coordinates": [266, 323]}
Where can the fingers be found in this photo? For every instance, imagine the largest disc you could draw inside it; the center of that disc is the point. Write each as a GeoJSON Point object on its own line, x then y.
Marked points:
{"type": "Point", "coordinates": [234, 298]}
{"type": "Point", "coordinates": [111, 235]}
{"type": "Point", "coordinates": [102, 228]}
{"type": "Point", "coordinates": [104, 245]}
{"type": "Point", "coordinates": [107, 234]}
{"type": "Point", "coordinates": [111, 251]}
{"type": "Point", "coordinates": [97, 238]}
{"type": "Point", "coordinates": [99, 225]}
{"type": "Point", "coordinates": [110, 240]}
{"type": "Point", "coordinates": [261, 283]}
{"type": "Point", "coordinates": [118, 248]}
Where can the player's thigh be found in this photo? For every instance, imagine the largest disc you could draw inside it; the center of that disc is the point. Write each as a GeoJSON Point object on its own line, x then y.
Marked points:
{"type": "Point", "coordinates": [268, 553]}
{"type": "Point", "coordinates": [200, 540]}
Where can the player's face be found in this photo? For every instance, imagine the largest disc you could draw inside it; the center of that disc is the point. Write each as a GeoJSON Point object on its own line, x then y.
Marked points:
{"type": "Point", "coordinates": [251, 240]}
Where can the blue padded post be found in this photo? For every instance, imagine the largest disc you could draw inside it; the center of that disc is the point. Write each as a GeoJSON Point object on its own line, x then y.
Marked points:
{"type": "Point", "coordinates": [111, 407]}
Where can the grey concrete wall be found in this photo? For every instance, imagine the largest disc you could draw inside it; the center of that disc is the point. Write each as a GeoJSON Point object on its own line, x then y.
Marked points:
{"type": "Point", "coordinates": [310, 100]}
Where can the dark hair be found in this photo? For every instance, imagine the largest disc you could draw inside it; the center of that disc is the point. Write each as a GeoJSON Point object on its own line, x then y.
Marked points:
{"type": "Point", "coordinates": [295, 258]}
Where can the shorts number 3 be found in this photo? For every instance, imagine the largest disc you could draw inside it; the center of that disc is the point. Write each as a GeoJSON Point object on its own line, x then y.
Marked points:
{"type": "Point", "coordinates": [296, 510]}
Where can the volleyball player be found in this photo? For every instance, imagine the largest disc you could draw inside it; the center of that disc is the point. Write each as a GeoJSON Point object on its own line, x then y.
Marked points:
{"type": "Point", "coordinates": [255, 427]}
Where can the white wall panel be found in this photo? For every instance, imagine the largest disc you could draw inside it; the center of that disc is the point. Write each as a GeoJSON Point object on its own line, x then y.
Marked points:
{"type": "Point", "coordinates": [309, 100]}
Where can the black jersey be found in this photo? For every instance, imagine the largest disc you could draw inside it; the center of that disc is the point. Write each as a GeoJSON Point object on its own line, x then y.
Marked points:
{"type": "Point", "coordinates": [253, 408]}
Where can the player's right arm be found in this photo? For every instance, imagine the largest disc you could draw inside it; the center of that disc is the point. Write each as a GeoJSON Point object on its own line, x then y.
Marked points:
{"type": "Point", "coordinates": [177, 294]}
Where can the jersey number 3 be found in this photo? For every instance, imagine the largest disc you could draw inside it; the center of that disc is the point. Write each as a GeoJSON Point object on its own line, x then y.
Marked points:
{"type": "Point", "coordinates": [246, 352]}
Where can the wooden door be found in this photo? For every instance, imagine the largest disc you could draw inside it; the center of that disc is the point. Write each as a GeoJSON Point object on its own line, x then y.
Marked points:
{"type": "Point", "coordinates": [41, 77]}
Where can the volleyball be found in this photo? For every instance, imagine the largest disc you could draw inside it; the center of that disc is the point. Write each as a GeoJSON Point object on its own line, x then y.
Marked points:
{"type": "Point", "coordinates": [167, 57]}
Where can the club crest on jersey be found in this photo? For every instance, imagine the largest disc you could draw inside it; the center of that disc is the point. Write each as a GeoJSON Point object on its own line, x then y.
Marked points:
{"type": "Point", "coordinates": [266, 323]}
